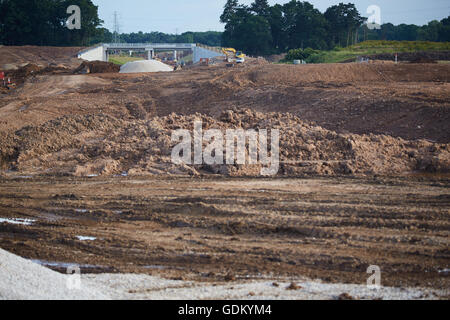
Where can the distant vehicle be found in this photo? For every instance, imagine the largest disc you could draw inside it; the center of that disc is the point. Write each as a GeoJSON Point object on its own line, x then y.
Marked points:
{"type": "Point", "coordinates": [233, 55]}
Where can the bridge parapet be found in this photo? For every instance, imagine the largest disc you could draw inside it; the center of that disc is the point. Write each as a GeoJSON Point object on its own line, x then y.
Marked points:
{"type": "Point", "coordinates": [171, 46]}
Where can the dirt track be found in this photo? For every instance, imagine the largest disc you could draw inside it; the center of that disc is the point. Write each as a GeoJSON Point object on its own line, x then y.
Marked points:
{"type": "Point", "coordinates": [220, 229]}
{"type": "Point", "coordinates": [17, 55]}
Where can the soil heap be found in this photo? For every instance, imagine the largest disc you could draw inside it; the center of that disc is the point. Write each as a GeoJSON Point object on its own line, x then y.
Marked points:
{"type": "Point", "coordinates": [104, 145]}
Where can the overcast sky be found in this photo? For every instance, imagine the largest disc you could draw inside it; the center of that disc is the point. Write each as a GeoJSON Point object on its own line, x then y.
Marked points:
{"type": "Point", "coordinates": [172, 16]}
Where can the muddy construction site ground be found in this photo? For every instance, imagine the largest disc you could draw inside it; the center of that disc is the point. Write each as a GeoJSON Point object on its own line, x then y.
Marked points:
{"type": "Point", "coordinates": [224, 229]}
{"type": "Point", "coordinates": [363, 179]}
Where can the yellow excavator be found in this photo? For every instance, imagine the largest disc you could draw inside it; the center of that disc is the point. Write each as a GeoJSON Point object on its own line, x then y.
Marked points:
{"type": "Point", "coordinates": [233, 55]}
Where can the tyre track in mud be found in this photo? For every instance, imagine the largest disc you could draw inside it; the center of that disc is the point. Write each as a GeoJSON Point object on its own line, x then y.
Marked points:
{"type": "Point", "coordinates": [207, 229]}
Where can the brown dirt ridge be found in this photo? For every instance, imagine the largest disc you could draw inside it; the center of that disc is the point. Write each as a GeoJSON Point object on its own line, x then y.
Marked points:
{"type": "Point", "coordinates": [334, 119]}
{"type": "Point", "coordinates": [103, 145]}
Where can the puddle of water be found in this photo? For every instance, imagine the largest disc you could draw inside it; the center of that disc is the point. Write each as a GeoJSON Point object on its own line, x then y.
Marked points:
{"type": "Point", "coordinates": [118, 211]}
{"type": "Point", "coordinates": [160, 267]}
{"type": "Point", "coordinates": [24, 222]}
{"type": "Point", "coordinates": [85, 238]}
{"type": "Point", "coordinates": [444, 271]}
{"type": "Point", "coordinates": [81, 210]}
{"type": "Point", "coordinates": [123, 174]}
{"type": "Point", "coordinates": [63, 264]}
{"type": "Point", "coordinates": [156, 267]}
{"type": "Point", "coordinates": [92, 175]}
{"type": "Point", "coordinates": [50, 216]}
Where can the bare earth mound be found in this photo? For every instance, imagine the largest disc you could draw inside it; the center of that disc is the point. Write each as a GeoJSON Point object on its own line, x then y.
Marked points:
{"type": "Point", "coordinates": [409, 101]}
{"type": "Point", "coordinates": [102, 145]}
{"type": "Point", "coordinates": [97, 67]}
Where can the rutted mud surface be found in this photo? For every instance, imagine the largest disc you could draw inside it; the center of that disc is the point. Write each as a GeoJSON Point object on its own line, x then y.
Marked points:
{"type": "Point", "coordinates": [218, 229]}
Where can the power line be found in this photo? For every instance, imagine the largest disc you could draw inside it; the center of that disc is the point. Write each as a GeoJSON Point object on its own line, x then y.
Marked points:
{"type": "Point", "coordinates": [116, 38]}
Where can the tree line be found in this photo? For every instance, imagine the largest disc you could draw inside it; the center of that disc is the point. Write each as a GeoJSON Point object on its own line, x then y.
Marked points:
{"type": "Point", "coordinates": [43, 22]}
{"type": "Point", "coordinates": [262, 29]}
{"type": "Point", "coordinates": [437, 31]}
{"type": "Point", "coordinates": [257, 29]}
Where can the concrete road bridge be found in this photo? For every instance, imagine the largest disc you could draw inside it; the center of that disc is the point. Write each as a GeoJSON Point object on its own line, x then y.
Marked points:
{"type": "Point", "coordinates": [101, 52]}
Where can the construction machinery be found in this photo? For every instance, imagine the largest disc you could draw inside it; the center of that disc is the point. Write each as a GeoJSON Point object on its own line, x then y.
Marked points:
{"type": "Point", "coordinates": [6, 82]}
{"type": "Point", "coordinates": [233, 55]}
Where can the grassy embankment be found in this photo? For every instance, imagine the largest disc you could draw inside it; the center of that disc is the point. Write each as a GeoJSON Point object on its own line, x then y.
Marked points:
{"type": "Point", "coordinates": [367, 48]}
{"type": "Point", "coordinates": [121, 60]}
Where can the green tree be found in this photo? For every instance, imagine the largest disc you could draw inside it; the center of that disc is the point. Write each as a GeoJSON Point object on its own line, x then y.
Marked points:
{"type": "Point", "coordinates": [23, 22]}
{"type": "Point", "coordinates": [187, 37]}
{"type": "Point", "coordinates": [89, 23]}
{"type": "Point", "coordinates": [387, 32]}
{"type": "Point", "coordinates": [444, 32]}
{"type": "Point", "coordinates": [344, 21]}
{"type": "Point", "coordinates": [430, 32]}
{"type": "Point", "coordinates": [406, 32]}
{"type": "Point", "coordinates": [248, 32]}
{"type": "Point", "coordinates": [300, 54]}
{"type": "Point", "coordinates": [304, 25]}
{"type": "Point", "coordinates": [42, 22]}
{"type": "Point", "coordinates": [229, 11]}
{"type": "Point", "coordinates": [276, 21]}
{"type": "Point", "coordinates": [261, 8]}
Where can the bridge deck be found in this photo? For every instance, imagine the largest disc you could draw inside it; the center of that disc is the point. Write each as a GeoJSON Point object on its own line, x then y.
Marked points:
{"type": "Point", "coordinates": [150, 46]}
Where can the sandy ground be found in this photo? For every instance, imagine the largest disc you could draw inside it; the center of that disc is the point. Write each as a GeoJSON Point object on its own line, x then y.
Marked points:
{"type": "Point", "coordinates": [26, 280]}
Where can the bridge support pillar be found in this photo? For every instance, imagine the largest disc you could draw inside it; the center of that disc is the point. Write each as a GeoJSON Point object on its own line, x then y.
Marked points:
{"type": "Point", "coordinates": [150, 54]}
{"type": "Point", "coordinates": [174, 54]}
{"type": "Point", "coordinates": [105, 54]}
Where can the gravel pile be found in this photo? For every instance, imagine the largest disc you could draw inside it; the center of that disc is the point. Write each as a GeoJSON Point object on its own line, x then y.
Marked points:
{"type": "Point", "coordinates": [145, 66]}
{"type": "Point", "coordinates": [22, 279]}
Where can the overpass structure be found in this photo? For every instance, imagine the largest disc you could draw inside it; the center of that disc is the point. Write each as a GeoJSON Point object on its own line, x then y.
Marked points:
{"type": "Point", "coordinates": [102, 51]}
